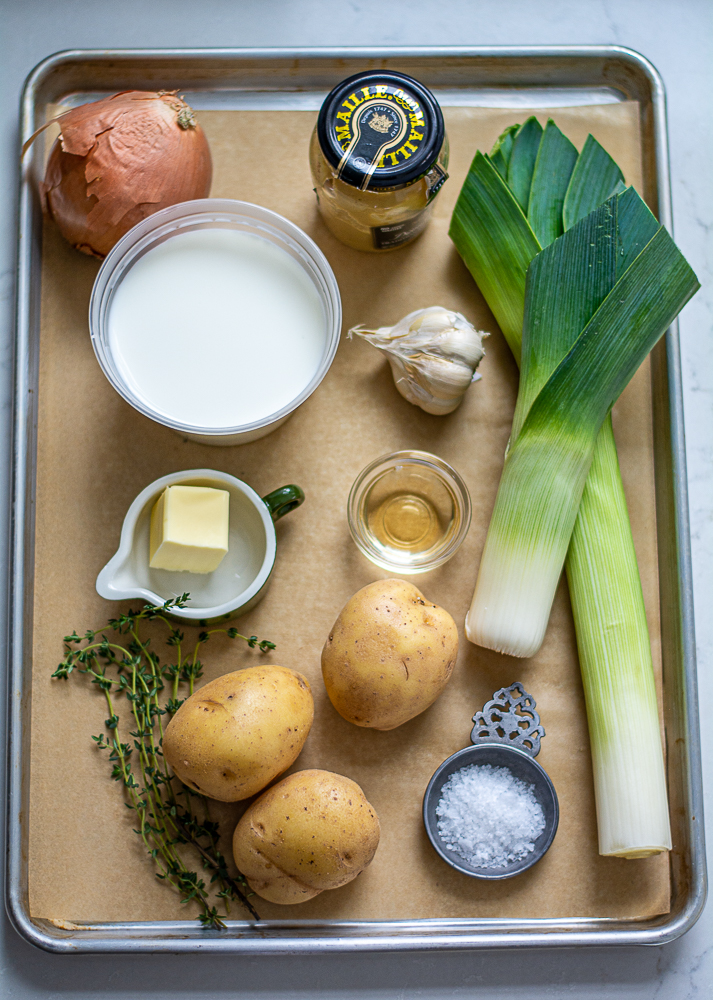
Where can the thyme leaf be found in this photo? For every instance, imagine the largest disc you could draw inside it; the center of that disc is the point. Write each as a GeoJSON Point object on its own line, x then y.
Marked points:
{"type": "Point", "coordinates": [169, 814]}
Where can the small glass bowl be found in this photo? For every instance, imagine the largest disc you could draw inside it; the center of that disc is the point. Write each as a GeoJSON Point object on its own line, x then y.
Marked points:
{"type": "Point", "coordinates": [408, 511]}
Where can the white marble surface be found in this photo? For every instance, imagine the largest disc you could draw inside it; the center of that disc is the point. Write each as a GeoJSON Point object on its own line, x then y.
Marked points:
{"type": "Point", "coordinates": [677, 36]}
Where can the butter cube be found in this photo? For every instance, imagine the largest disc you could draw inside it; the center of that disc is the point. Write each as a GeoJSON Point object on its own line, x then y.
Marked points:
{"type": "Point", "coordinates": [189, 529]}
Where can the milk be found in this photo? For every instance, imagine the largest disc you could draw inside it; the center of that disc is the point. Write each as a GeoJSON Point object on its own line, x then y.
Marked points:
{"type": "Point", "coordinates": [217, 328]}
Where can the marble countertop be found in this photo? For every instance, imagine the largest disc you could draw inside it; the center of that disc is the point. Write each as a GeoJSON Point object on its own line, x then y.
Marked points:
{"type": "Point", "coordinates": [678, 39]}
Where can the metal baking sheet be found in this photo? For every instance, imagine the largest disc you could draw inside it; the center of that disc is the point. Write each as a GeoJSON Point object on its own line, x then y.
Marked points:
{"type": "Point", "coordinates": [299, 78]}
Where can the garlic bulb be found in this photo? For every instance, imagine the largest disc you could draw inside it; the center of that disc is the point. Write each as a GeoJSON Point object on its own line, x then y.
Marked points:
{"type": "Point", "coordinates": [433, 355]}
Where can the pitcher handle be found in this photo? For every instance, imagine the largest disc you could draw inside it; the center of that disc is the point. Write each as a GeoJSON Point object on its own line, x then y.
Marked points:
{"type": "Point", "coordinates": [281, 501]}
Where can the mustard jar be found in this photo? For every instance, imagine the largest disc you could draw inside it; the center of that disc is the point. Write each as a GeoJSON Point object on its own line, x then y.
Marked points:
{"type": "Point", "coordinates": [379, 157]}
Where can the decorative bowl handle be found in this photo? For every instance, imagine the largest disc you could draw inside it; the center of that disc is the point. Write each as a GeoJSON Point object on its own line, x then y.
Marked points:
{"type": "Point", "coordinates": [510, 718]}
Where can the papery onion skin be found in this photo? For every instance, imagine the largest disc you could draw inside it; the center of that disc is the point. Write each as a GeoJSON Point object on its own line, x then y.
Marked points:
{"type": "Point", "coordinates": [119, 160]}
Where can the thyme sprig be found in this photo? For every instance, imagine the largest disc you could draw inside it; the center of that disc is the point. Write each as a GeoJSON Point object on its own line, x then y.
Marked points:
{"type": "Point", "coordinates": [169, 814]}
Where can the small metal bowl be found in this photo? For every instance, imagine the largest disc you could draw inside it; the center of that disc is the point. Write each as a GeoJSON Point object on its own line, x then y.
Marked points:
{"type": "Point", "coordinates": [509, 718]}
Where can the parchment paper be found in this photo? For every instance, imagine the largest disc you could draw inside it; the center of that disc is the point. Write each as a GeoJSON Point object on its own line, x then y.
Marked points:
{"type": "Point", "coordinates": [96, 453]}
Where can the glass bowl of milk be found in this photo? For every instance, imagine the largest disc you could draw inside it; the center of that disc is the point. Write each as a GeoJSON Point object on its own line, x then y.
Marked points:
{"type": "Point", "coordinates": [216, 318]}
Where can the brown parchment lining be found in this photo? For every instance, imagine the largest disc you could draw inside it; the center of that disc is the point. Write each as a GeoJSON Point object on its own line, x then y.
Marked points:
{"type": "Point", "coordinates": [96, 453]}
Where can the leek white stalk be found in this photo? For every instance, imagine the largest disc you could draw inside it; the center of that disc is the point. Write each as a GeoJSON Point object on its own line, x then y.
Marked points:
{"type": "Point", "coordinates": [617, 671]}
{"type": "Point", "coordinates": [526, 545]}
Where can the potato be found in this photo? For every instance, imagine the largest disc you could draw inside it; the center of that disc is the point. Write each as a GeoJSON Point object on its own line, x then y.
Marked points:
{"type": "Point", "coordinates": [389, 656]}
{"type": "Point", "coordinates": [314, 830]}
{"type": "Point", "coordinates": [238, 732]}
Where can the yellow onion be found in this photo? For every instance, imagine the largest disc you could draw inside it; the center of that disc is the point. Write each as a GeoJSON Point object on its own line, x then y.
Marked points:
{"type": "Point", "coordinates": [119, 160]}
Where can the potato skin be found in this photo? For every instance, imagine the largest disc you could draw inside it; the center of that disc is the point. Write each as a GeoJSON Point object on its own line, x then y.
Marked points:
{"type": "Point", "coordinates": [314, 830]}
{"type": "Point", "coordinates": [238, 732]}
{"type": "Point", "coordinates": [389, 655]}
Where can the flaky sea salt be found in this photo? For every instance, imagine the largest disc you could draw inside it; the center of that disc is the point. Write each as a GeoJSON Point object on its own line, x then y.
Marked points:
{"type": "Point", "coordinates": [488, 816]}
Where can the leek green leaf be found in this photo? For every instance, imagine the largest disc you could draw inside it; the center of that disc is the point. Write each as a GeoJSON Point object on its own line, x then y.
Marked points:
{"type": "Point", "coordinates": [582, 266]}
{"type": "Point", "coordinates": [500, 153]}
{"type": "Point", "coordinates": [553, 168]}
{"type": "Point", "coordinates": [637, 226]}
{"type": "Point", "coordinates": [525, 148]}
{"type": "Point", "coordinates": [495, 241]}
{"type": "Point", "coordinates": [636, 312]}
{"type": "Point", "coordinates": [595, 178]}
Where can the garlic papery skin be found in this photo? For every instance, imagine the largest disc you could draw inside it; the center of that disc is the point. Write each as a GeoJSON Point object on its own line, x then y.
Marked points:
{"type": "Point", "coordinates": [433, 355]}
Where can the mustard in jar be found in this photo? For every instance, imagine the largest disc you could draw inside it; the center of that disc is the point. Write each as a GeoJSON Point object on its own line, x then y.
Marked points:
{"type": "Point", "coordinates": [379, 157]}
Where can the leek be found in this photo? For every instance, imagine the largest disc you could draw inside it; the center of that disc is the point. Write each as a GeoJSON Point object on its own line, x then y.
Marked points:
{"type": "Point", "coordinates": [496, 242]}
{"type": "Point", "coordinates": [557, 418]}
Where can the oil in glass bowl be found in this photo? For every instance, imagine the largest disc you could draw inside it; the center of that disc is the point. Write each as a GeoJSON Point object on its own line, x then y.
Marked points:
{"type": "Point", "coordinates": [409, 511]}
{"type": "Point", "coordinates": [407, 521]}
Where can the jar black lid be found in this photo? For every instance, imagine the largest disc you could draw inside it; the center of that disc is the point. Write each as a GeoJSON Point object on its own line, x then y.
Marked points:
{"type": "Point", "coordinates": [380, 129]}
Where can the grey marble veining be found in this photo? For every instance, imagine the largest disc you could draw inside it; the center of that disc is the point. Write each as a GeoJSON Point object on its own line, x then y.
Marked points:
{"type": "Point", "coordinates": [677, 36]}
